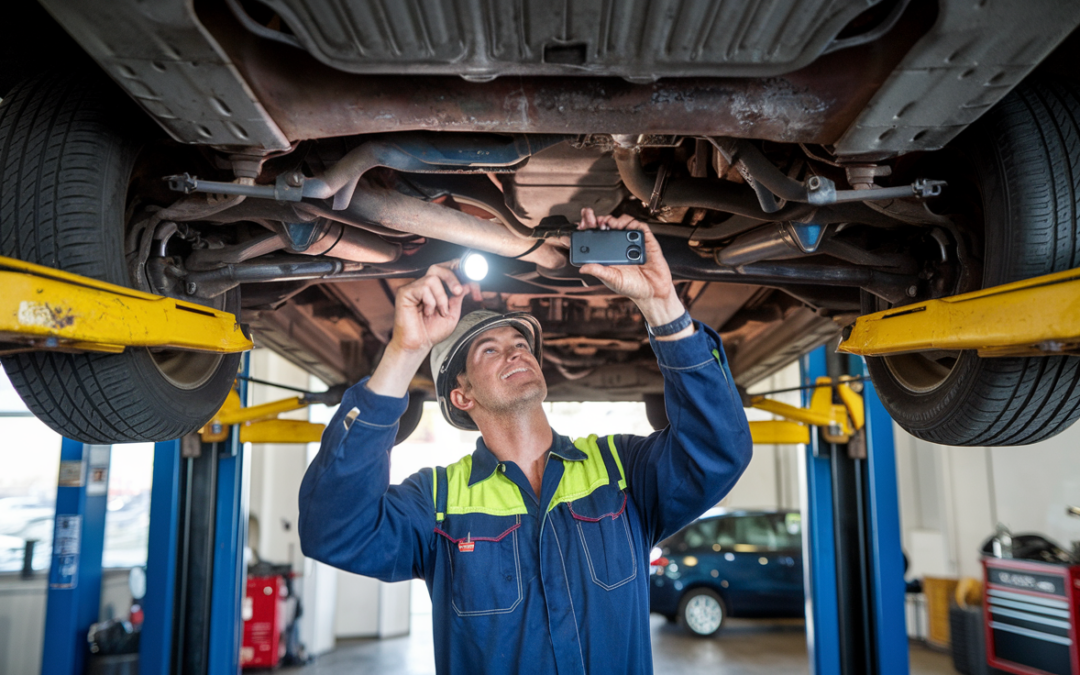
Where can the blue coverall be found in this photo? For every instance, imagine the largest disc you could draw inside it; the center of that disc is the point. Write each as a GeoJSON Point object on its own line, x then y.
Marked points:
{"type": "Point", "coordinates": [542, 590]}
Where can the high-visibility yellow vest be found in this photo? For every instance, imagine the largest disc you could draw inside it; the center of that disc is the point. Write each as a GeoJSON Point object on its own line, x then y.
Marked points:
{"type": "Point", "coordinates": [497, 495]}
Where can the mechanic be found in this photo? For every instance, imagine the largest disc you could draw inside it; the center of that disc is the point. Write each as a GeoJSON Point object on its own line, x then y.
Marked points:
{"type": "Point", "coordinates": [535, 548]}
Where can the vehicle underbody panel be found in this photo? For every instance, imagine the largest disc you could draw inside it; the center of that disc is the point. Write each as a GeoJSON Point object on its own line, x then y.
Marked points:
{"type": "Point", "coordinates": [640, 39]}
{"type": "Point", "coordinates": [342, 147]}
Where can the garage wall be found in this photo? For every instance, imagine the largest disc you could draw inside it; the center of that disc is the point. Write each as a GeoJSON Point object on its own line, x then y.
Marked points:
{"type": "Point", "coordinates": [336, 604]}
{"type": "Point", "coordinates": [276, 472]}
{"type": "Point", "coordinates": [951, 498]}
{"type": "Point", "coordinates": [277, 469]}
{"type": "Point", "coordinates": [772, 479]}
{"type": "Point", "coordinates": [22, 616]}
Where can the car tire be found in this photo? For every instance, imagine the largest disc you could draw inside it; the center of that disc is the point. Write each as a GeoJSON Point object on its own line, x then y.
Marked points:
{"type": "Point", "coordinates": [69, 144]}
{"type": "Point", "coordinates": [655, 411]}
{"type": "Point", "coordinates": [702, 612]}
{"type": "Point", "coordinates": [1025, 159]}
{"type": "Point", "coordinates": [410, 419]}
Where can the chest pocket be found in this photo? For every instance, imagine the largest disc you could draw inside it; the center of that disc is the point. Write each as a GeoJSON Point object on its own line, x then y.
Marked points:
{"type": "Point", "coordinates": [485, 566]}
{"type": "Point", "coordinates": [604, 531]}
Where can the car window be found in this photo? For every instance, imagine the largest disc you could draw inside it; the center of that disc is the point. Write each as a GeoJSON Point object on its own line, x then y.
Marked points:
{"type": "Point", "coordinates": [790, 530]}
{"type": "Point", "coordinates": [725, 532]}
{"type": "Point", "coordinates": [697, 536]}
{"type": "Point", "coordinates": [757, 531]}
{"type": "Point", "coordinates": [768, 532]}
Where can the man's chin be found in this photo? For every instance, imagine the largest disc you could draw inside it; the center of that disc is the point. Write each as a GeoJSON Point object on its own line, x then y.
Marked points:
{"type": "Point", "coordinates": [528, 392]}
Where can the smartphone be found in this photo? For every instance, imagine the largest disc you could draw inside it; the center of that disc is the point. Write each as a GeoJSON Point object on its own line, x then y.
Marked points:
{"type": "Point", "coordinates": [607, 247]}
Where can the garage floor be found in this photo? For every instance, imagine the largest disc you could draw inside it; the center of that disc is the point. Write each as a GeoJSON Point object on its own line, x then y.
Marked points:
{"type": "Point", "coordinates": [743, 648]}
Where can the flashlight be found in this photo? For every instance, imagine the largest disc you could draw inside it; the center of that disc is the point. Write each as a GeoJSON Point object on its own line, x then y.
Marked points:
{"type": "Point", "coordinates": [472, 267]}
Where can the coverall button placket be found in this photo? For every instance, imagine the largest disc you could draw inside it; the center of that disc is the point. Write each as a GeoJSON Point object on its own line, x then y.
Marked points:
{"type": "Point", "coordinates": [562, 618]}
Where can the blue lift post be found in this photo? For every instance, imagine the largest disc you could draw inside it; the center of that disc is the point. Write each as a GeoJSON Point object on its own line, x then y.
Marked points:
{"type": "Point", "coordinates": [819, 541]}
{"type": "Point", "coordinates": [230, 535]}
{"type": "Point", "coordinates": [158, 605]}
{"type": "Point", "coordinates": [853, 558]}
{"type": "Point", "coordinates": [195, 562]}
{"type": "Point", "coordinates": [885, 538]}
{"type": "Point", "coordinates": [78, 543]}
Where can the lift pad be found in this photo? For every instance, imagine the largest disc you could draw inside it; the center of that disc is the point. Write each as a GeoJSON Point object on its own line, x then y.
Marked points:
{"type": "Point", "coordinates": [1033, 317]}
{"type": "Point", "coordinates": [45, 308]}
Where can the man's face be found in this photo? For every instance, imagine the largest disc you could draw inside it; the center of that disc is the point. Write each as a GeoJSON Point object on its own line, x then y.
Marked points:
{"type": "Point", "coordinates": [501, 374]}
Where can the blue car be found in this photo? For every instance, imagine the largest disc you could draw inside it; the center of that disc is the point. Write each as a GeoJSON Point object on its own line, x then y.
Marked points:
{"type": "Point", "coordinates": [729, 563]}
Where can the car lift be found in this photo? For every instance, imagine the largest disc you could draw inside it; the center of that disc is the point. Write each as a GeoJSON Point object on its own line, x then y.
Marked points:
{"type": "Point", "coordinates": [198, 513]}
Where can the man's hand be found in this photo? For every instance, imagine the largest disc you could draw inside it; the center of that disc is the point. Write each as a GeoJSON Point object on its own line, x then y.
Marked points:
{"type": "Point", "coordinates": [648, 285]}
{"type": "Point", "coordinates": [424, 315]}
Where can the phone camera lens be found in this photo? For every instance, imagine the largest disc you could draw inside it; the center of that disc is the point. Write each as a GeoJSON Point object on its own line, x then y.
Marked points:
{"type": "Point", "coordinates": [633, 253]}
{"type": "Point", "coordinates": [633, 235]}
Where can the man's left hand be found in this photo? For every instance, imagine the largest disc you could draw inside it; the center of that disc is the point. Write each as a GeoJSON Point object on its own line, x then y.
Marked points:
{"type": "Point", "coordinates": [648, 285]}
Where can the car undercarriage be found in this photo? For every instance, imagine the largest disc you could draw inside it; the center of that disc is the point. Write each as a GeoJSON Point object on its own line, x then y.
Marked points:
{"type": "Point", "coordinates": [801, 163]}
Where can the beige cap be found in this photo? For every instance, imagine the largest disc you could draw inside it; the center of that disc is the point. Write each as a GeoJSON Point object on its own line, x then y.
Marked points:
{"type": "Point", "coordinates": [448, 357]}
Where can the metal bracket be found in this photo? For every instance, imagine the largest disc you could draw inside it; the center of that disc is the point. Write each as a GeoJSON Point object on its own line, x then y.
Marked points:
{"type": "Point", "coordinates": [287, 187]}
{"type": "Point", "coordinates": [657, 196]}
{"type": "Point", "coordinates": [822, 191]}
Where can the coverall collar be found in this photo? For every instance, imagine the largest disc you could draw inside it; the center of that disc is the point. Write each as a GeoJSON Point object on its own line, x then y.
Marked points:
{"type": "Point", "coordinates": [485, 463]}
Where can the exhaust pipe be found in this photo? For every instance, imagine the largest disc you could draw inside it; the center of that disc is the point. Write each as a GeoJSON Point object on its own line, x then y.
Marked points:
{"type": "Point", "coordinates": [336, 240]}
{"type": "Point", "coordinates": [396, 211]}
{"type": "Point", "coordinates": [775, 241]}
{"type": "Point", "coordinates": [422, 153]}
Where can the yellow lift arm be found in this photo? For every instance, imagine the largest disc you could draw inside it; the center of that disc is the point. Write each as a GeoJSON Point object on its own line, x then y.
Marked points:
{"type": "Point", "coordinates": [259, 423]}
{"type": "Point", "coordinates": [44, 308]}
{"type": "Point", "coordinates": [1033, 317]}
{"type": "Point", "coordinates": [838, 421]}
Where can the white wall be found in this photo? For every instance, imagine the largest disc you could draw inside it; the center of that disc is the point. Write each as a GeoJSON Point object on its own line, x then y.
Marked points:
{"type": "Point", "coordinates": [336, 604]}
{"type": "Point", "coordinates": [772, 479]}
{"type": "Point", "coordinates": [22, 616]}
{"type": "Point", "coordinates": [276, 472]}
{"type": "Point", "coordinates": [951, 498]}
{"type": "Point", "coordinates": [277, 469]}
{"type": "Point", "coordinates": [357, 612]}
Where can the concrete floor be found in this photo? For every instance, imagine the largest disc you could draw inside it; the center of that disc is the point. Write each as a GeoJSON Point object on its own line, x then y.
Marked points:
{"type": "Point", "coordinates": [744, 647]}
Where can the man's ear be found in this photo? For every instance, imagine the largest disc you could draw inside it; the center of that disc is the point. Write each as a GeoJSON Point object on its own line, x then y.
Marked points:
{"type": "Point", "coordinates": [461, 400]}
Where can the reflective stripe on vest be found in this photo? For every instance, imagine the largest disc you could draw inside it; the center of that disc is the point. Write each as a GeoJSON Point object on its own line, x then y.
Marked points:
{"type": "Point", "coordinates": [497, 495]}
{"type": "Point", "coordinates": [581, 478]}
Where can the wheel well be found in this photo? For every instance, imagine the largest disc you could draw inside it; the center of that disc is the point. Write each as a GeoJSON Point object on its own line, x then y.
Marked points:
{"type": "Point", "coordinates": [33, 42]}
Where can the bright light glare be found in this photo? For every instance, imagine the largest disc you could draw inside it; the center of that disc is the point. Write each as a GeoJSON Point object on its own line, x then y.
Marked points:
{"type": "Point", "coordinates": [474, 266]}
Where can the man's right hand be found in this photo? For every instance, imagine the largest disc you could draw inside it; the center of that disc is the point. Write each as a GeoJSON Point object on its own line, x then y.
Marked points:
{"type": "Point", "coordinates": [424, 315]}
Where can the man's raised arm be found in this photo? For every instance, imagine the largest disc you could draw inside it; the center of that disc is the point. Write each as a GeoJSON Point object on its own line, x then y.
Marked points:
{"type": "Point", "coordinates": [676, 474]}
{"type": "Point", "coordinates": [350, 515]}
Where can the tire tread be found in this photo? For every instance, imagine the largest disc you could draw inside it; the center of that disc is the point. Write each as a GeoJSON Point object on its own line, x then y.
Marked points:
{"type": "Point", "coordinates": [61, 139]}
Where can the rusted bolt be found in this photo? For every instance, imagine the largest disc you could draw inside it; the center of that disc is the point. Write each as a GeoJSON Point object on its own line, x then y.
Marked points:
{"type": "Point", "coordinates": [295, 179]}
{"type": "Point", "coordinates": [191, 288]}
{"type": "Point", "coordinates": [813, 183]}
{"type": "Point", "coordinates": [912, 291]}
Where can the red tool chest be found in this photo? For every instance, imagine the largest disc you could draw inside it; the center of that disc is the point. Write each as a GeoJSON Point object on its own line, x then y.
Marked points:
{"type": "Point", "coordinates": [1030, 611]}
{"type": "Point", "coordinates": [263, 647]}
